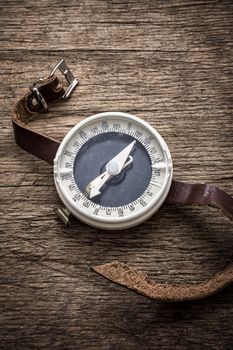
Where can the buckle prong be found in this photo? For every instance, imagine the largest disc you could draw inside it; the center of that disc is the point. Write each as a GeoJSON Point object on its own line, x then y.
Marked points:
{"type": "Point", "coordinates": [64, 69]}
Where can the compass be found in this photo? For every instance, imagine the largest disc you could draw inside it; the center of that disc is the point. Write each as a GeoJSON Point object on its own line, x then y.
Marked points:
{"type": "Point", "coordinates": [113, 170]}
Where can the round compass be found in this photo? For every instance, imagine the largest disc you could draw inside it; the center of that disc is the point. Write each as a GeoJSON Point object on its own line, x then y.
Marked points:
{"type": "Point", "coordinates": [113, 170]}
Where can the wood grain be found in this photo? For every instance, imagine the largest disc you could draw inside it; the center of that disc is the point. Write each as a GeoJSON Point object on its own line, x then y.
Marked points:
{"type": "Point", "coordinates": [169, 63]}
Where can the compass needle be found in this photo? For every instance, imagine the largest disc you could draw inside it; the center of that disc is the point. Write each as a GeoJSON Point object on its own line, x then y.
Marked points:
{"type": "Point", "coordinates": [120, 159]}
{"type": "Point", "coordinates": [113, 168]}
{"type": "Point", "coordinates": [93, 188]}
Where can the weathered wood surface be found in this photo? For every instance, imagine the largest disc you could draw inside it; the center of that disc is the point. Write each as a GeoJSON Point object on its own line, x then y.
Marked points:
{"type": "Point", "coordinates": [169, 62]}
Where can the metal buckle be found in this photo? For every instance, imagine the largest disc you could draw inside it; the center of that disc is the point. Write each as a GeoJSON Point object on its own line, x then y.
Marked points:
{"type": "Point", "coordinates": [73, 82]}
{"type": "Point", "coordinates": [38, 95]}
{"type": "Point", "coordinates": [64, 69]}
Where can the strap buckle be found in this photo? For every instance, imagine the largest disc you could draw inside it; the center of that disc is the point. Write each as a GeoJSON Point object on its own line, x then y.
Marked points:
{"type": "Point", "coordinates": [64, 69]}
{"type": "Point", "coordinates": [39, 96]}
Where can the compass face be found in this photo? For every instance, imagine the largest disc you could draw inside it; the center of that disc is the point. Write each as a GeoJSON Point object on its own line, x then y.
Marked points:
{"type": "Point", "coordinates": [113, 170]}
{"type": "Point", "coordinates": [91, 161]}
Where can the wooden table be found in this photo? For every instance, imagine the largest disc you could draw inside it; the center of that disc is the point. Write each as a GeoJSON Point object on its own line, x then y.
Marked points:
{"type": "Point", "coordinates": [170, 63]}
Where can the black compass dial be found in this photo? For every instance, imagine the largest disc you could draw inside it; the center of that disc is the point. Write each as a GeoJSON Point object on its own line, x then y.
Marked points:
{"type": "Point", "coordinates": [121, 189]}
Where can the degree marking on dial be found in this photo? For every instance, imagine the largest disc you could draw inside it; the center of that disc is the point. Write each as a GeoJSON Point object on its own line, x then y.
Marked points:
{"type": "Point", "coordinates": [65, 171]}
{"type": "Point", "coordinates": [156, 183]}
{"type": "Point", "coordinates": [161, 165]}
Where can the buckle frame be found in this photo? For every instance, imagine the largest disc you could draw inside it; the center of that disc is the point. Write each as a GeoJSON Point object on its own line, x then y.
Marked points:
{"type": "Point", "coordinates": [64, 69]}
{"type": "Point", "coordinates": [39, 96]}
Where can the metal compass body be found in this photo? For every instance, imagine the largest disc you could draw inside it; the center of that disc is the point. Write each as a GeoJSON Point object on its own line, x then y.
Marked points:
{"type": "Point", "coordinates": [113, 170]}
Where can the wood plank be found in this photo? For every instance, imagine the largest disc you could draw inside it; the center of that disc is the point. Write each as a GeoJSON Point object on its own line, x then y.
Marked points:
{"type": "Point", "coordinates": [169, 63]}
{"type": "Point", "coordinates": [114, 25]}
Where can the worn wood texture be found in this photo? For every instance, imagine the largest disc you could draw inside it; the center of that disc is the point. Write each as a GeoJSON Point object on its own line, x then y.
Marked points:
{"type": "Point", "coordinates": [169, 62]}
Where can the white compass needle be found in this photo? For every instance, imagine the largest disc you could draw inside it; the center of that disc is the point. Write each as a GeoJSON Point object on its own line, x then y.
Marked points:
{"type": "Point", "coordinates": [119, 160]}
{"type": "Point", "coordinates": [113, 167]}
{"type": "Point", "coordinates": [94, 186]}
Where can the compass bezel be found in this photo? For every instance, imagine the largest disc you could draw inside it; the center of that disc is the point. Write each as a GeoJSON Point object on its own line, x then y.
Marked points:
{"type": "Point", "coordinates": [113, 223]}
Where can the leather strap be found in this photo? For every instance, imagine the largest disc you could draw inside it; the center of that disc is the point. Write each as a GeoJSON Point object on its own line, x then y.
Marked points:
{"type": "Point", "coordinates": [44, 147]}
{"type": "Point", "coordinates": [140, 283]}
{"type": "Point", "coordinates": [180, 193]}
{"type": "Point", "coordinates": [26, 109]}
{"type": "Point", "coordinates": [200, 194]}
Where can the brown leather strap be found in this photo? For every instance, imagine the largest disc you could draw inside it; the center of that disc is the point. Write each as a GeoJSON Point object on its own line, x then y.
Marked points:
{"type": "Point", "coordinates": [45, 148]}
{"type": "Point", "coordinates": [181, 193]}
{"type": "Point", "coordinates": [29, 107]}
{"type": "Point", "coordinates": [200, 194]}
{"type": "Point", "coordinates": [140, 283]}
